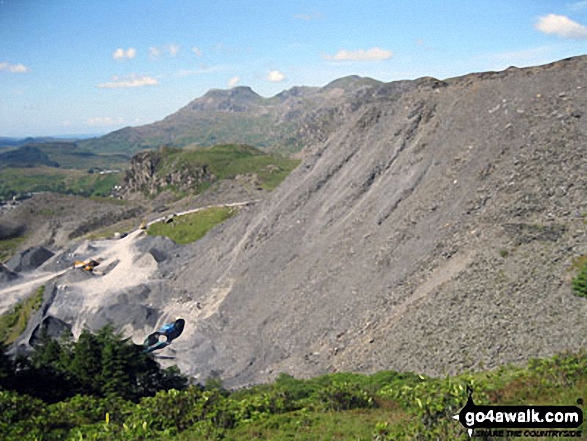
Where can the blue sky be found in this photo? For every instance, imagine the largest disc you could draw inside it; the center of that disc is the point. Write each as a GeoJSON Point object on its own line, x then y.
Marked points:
{"type": "Point", "coordinates": [93, 66]}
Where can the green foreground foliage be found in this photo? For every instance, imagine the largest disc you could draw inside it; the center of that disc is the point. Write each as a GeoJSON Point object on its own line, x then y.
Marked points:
{"type": "Point", "coordinates": [105, 388]}
{"type": "Point", "coordinates": [191, 227]}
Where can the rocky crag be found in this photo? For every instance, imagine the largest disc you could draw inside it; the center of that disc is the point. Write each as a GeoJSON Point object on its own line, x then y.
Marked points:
{"type": "Point", "coordinates": [143, 177]}
{"type": "Point", "coordinates": [433, 229]}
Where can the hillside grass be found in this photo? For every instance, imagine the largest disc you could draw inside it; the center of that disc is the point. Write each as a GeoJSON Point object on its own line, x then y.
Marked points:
{"type": "Point", "coordinates": [15, 181]}
{"type": "Point", "coordinates": [191, 227]}
{"type": "Point", "coordinates": [9, 246]}
{"type": "Point", "coordinates": [14, 321]}
{"type": "Point", "coordinates": [229, 161]}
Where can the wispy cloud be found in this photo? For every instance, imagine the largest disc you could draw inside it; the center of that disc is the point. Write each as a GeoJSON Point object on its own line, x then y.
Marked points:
{"type": "Point", "coordinates": [577, 6]}
{"type": "Point", "coordinates": [156, 52]}
{"type": "Point", "coordinates": [173, 49]}
{"type": "Point", "coordinates": [13, 68]}
{"type": "Point", "coordinates": [233, 81]}
{"type": "Point", "coordinates": [275, 76]}
{"type": "Point", "coordinates": [196, 50]}
{"type": "Point", "coordinates": [201, 69]}
{"type": "Point", "coordinates": [373, 54]}
{"type": "Point", "coordinates": [121, 54]}
{"type": "Point", "coordinates": [104, 121]}
{"type": "Point", "coordinates": [561, 26]}
{"type": "Point", "coordinates": [130, 81]}
{"type": "Point", "coordinates": [309, 17]}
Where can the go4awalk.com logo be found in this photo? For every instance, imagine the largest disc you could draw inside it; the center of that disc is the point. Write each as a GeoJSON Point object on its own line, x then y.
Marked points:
{"type": "Point", "coordinates": [521, 421]}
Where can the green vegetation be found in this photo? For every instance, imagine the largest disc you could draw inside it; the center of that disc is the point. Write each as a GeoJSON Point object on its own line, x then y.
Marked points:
{"type": "Point", "coordinates": [105, 388]}
{"type": "Point", "coordinates": [227, 162]}
{"type": "Point", "coordinates": [14, 321]}
{"type": "Point", "coordinates": [580, 281]}
{"type": "Point", "coordinates": [13, 181]}
{"type": "Point", "coordinates": [191, 227]}
{"type": "Point", "coordinates": [9, 246]}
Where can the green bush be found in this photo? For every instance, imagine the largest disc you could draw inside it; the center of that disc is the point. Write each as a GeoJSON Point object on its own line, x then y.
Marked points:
{"type": "Point", "coordinates": [344, 396]}
{"type": "Point", "coordinates": [580, 282]}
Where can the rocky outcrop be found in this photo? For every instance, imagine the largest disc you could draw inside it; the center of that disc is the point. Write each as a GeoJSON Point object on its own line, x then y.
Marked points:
{"type": "Point", "coordinates": [150, 172]}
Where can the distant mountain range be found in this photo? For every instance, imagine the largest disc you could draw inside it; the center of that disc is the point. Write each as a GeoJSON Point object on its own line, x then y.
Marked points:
{"type": "Point", "coordinates": [286, 122]}
{"type": "Point", "coordinates": [6, 141]}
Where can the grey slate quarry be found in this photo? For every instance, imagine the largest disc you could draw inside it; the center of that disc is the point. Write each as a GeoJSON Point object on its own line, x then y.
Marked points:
{"type": "Point", "coordinates": [386, 248]}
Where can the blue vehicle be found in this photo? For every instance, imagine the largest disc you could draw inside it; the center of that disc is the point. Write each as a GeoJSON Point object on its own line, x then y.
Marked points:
{"type": "Point", "coordinates": [164, 336]}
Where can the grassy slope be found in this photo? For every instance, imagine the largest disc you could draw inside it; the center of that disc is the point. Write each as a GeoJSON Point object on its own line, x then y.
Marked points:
{"type": "Point", "coordinates": [14, 321]}
{"type": "Point", "coordinates": [229, 161]}
{"type": "Point", "coordinates": [9, 246]}
{"type": "Point", "coordinates": [405, 406]}
{"type": "Point", "coordinates": [191, 227]}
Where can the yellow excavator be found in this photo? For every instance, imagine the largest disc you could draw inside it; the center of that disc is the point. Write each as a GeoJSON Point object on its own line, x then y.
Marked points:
{"type": "Point", "coordinates": [88, 265]}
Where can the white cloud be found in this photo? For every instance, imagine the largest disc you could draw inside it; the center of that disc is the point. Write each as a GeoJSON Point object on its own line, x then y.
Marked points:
{"type": "Point", "coordinates": [121, 54]}
{"type": "Point", "coordinates": [561, 26]}
{"type": "Point", "coordinates": [13, 68]}
{"type": "Point", "coordinates": [104, 121]}
{"type": "Point", "coordinates": [275, 76]}
{"type": "Point", "coordinates": [196, 50]}
{"type": "Point", "coordinates": [233, 81]}
{"type": "Point", "coordinates": [156, 52]}
{"type": "Point", "coordinates": [173, 49]}
{"type": "Point", "coordinates": [130, 81]}
{"type": "Point", "coordinates": [373, 54]}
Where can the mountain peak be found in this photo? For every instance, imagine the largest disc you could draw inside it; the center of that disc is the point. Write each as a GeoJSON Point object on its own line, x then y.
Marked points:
{"type": "Point", "coordinates": [237, 99]}
{"type": "Point", "coordinates": [238, 92]}
{"type": "Point", "coordinates": [351, 82]}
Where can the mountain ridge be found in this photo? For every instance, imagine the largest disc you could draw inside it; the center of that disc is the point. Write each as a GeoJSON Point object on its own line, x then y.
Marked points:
{"type": "Point", "coordinates": [238, 115]}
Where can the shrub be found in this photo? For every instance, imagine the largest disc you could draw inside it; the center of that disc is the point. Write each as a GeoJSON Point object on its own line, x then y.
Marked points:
{"type": "Point", "coordinates": [580, 282]}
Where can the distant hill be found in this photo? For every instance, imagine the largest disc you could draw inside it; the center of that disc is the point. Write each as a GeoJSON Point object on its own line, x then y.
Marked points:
{"type": "Point", "coordinates": [27, 156]}
{"type": "Point", "coordinates": [286, 122]}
